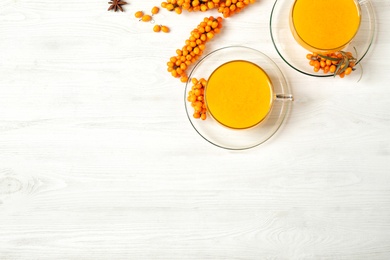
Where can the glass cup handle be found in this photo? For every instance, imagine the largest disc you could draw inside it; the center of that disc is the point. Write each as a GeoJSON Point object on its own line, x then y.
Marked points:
{"type": "Point", "coordinates": [284, 97]}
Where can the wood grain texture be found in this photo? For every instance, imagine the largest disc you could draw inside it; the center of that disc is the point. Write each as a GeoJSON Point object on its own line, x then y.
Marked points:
{"type": "Point", "coordinates": [98, 159]}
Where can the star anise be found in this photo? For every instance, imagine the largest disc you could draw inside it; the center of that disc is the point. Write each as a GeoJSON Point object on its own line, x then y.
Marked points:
{"type": "Point", "coordinates": [116, 5]}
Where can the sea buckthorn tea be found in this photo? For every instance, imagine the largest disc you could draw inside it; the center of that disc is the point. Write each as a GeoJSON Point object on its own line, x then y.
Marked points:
{"type": "Point", "coordinates": [239, 94]}
{"type": "Point", "coordinates": [324, 25]}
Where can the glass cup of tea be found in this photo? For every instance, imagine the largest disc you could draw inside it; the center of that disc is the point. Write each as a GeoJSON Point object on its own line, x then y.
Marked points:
{"type": "Point", "coordinates": [239, 94]}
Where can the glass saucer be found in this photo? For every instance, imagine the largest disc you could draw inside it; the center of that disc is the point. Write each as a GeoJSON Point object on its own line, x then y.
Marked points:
{"type": "Point", "coordinates": [295, 55]}
{"type": "Point", "coordinates": [239, 139]}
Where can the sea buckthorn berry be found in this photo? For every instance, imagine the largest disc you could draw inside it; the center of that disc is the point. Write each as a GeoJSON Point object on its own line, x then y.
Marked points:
{"type": "Point", "coordinates": [146, 18]}
{"type": "Point", "coordinates": [138, 14]}
{"type": "Point", "coordinates": [210, 35]}
{"type": "Point", "coordinates": [326, 69]}
{"type": "Point", "coordinates": [179, 71]}
{"type": "Point", "coordinates": [338, 63]}
{"type": "Point", "coordinates": [316, 64]}
{"type": "Point", "coordinates": [184, 78]}
{"type": "Point", "coordinates": [169, 7]}
{"type": "Point", "coordinates": [165, 29]}
{"type": "Point", "coordinates": [348, 71]}
{"type": "Point", "coordinates": [157, 28]}
{"type": "Point", "coordinates": [332, 68]}
{"type": "Point", "coordinates": [155, 10]}
{"type": "Point", "coordinates": [178, 10]}
{"type": "Point", "coordinates": [196, 98]}
{"type": "Point", "coordinates": [197, 115]}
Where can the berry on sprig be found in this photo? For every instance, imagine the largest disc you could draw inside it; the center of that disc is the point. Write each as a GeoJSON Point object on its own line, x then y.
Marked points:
{"type": "Point", "coordinates": [196, 98]}
{"type": "Point", "coordinates": [194, 47]}
{"type": "Point", "coordinates": [226, 7]}
{"type": "Point", "coordinates": [337, 63]}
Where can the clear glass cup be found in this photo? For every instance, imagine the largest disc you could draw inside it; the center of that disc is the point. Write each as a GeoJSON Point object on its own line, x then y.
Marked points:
{"type": "Point", "coordinates": [238, 139]}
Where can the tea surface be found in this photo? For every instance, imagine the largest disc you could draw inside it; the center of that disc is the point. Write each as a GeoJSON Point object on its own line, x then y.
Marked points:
{"type": "Point", "coordinates": [239, 94]}
{"type": "Point", "coordinates": [325, 24]}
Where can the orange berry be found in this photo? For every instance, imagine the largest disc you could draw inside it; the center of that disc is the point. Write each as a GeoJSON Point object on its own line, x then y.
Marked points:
{"type": "Point", "coordinates": [183, 78]}
{"type": "Point", "coordinates": [179, 71]}
{"type": "Point", "coordinates": [316, 64]}
{"type": "Point", "coordinates": [198, 108]}
{"type": "Point", "coordinates": [157, 28]}
{"type": "Point", "coordinates": [196, 115]}
{"type": "Point", "coordinates": [146, 18]}
{"type": "Point", "coordinates": [165, 29]}
{"type": "Point", "coordinates": [203, 82]}
{"type": "Point", "coordinates": [326, 69]}
{"type": "Point", "coordinates": [138, 14]}
{"type": "Point", "coordinates": [178, 10]}
{"type": "Point", "coordinates": [348, 71]}
{"type": "Point", "coordinates": [240, 5]}
{"type": "Point", "coordinates": [210, 35]}
{"type": "Point", "coordinates": [332, 68]}
{"type": "Point", "coordinates": [170, 7]}
{"type": "Point", "coordinates": [203, 8]}
{"type": "Point", "coordinates": [155, 10]}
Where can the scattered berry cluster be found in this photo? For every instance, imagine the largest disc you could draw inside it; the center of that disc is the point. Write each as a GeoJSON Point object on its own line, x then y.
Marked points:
{"type": "Point", "coordinates": [196, 97]}
{"type": "Point", "coordinates": [338, 63]}
{"type": "Point", "coordinates": [225, 7]}
{"type": "Point", "coordinates": [149, 18]}
{"type": "Point", "coordinates": [194, 47]}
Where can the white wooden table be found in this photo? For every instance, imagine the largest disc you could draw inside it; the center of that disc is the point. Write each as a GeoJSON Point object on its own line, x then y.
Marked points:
{"type": "Point", "coordinates": [99, 161]}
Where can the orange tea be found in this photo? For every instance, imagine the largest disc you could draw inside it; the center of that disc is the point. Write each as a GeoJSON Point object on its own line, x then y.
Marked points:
{"type": "Point", "coordinates": [324, 25]}
{"type": "Point", "coordinates": [239, 94]}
